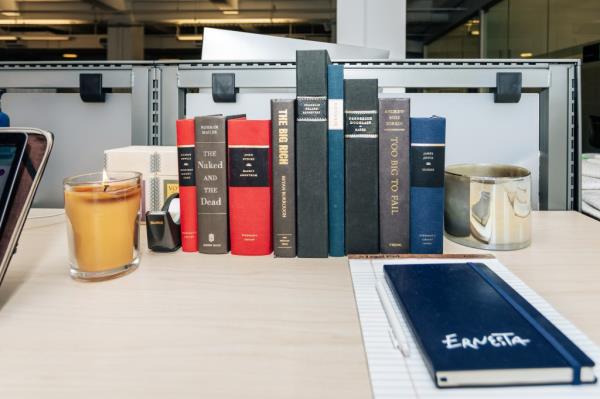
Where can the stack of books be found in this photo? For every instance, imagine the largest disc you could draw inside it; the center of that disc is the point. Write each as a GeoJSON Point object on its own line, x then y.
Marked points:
{"type": "Point", "coordinates": [336, 171]}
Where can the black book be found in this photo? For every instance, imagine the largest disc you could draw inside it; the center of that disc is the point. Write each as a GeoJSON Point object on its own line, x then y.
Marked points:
{"type": "Point", "coordinates": [284, 178]}
{"type": "Point", "coordinates": [311, 154]}
{"type": "Point", "coordinates": [394, 175]}
{"type": "Point", "coordinates": [211, 183]}
{"type": "Point", "coordinates": [362, 166]}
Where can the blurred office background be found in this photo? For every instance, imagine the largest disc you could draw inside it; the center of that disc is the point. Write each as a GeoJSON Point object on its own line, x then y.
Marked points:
{"type": "Point", "coordinates": [39, 30]}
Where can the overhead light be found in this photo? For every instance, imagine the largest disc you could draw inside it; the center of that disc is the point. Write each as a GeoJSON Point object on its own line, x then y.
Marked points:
{"type": "Point", "coordinates": [11, 13]}
{"type": "Point", "coordinates": [53, 38]}
{"type": "Point", "coordinates": [231, 12]}
{"type": "Point", "coordinates": [475, 33]}
{"type": "Point", "coordinates": [28, 21]}
{"type": "Point", "coordinates": [7, 37]}
{"type": "Point", "coordinates": [475, 21]}
{"type": "Point", "coordinates": [234, 21]}
{"type": "Point", "coordinates": [526, 55]}
{"type": "Point", "coordinates": [70, 55]}
{"type": "Point", "coordinates": [189, 38]}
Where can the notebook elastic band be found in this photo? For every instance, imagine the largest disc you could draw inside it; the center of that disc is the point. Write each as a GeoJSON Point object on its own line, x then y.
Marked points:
{"type": "Point", "coordinates": [570, 359]}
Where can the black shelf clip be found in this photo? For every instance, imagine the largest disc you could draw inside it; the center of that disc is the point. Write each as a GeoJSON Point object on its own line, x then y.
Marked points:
{"type": "Point", "coordinates": [223, 88]}
{"type": "Point", "coordinates": [90, 88]}
{"type": "Point", "coordinates": [508, 87]}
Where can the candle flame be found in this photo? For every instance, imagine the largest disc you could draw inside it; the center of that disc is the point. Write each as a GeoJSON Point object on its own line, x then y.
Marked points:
{"type": "Point", "coordinates": [105, 179]}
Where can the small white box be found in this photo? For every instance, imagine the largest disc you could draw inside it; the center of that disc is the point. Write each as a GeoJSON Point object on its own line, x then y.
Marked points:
{"type": "Point", "coordinates": [158, 166]}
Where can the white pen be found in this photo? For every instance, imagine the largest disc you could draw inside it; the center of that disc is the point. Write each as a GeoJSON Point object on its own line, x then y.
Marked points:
{"type": "Point", "coordinates": [399, 339]}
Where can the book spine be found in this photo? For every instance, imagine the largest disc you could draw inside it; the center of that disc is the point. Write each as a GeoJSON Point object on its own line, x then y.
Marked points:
{"type": "Point", "coordinates": [311, 154]}
{"type": "Point", "coordinates": [187, 184]}
{"type": "Point", "coordinates": [211, 181]}
{"type": "Point", "coordinates": [427, 152]}
{"type": "Point", "coordinates": [284, 178]}
{"type": "Point", "coordinates": [362, 166]}
{"type": "Point", "coordinates": [249, 157]}
{"type": "Point", "coordinates": [335, 150]}
{"type": "Point", "coordinates": [394, 175]}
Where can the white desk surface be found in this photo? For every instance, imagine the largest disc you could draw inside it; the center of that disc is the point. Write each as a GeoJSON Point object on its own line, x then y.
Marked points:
{"type": "Point", "coordinates": [201, 326]}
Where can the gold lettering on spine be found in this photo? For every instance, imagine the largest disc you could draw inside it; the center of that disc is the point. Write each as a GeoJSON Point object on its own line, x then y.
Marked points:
{"type": "Point", "coordinates": [283, 158]}
{"type": "Point", "coordinates": [394, 173]}
{"type": "Point", "coordinates": [282, 131]}
{"type": "Point", "coordinates": [393, 122]}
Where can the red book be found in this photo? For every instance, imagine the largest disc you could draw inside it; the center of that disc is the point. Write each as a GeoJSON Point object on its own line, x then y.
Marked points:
{"type": "Point", "coordinates": [187, 185]}
{"type": "Point", "coordinates": [249, 159]}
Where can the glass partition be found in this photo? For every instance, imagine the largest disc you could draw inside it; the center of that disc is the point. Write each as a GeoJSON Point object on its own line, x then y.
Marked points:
{"type": "Point", "coordinates": [460, 42]}
{"type": "Point", "coordinates": [496, 31]}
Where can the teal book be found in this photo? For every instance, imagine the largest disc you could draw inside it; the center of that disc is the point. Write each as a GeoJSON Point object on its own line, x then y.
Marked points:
{"type": "Point", "coordinates": [335, 144]}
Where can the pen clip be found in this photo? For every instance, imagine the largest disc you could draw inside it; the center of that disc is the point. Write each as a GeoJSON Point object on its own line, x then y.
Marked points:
{"type": "Point", "coordinates": [394, 328]}
{"type": "Point", "coordinates": [395, 343]}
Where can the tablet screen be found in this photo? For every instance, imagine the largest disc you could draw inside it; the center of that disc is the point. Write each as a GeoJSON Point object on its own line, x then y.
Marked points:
{"type": "Point", "coordinates": [7, 156]}
{"type": "Point", "coordinates": [12, 149]}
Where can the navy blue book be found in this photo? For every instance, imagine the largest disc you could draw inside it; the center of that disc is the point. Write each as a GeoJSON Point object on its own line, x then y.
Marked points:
{"type": "Point", "coordinates": [335, 144]}
{"type": "Point", "coordinates": [473, 329]}
{"type": "Point", "coordinates": [427, 150]}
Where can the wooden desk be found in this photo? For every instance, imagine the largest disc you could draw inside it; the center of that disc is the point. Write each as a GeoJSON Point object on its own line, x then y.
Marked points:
{"type": "Point", "coordinates": [198, 326]}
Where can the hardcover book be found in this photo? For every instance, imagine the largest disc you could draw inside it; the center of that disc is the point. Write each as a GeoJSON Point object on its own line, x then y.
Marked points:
{"type": "Point", "coordinates": [427, 151]}
{"type": "Point", "coordinates": [187, 185]}
{"type": "Point", "coordinates": [284, 177]}
{"type": "Point", "coordinates": [474, 329]}
{"type": "Point", "coordinates": [249, 159]}
{"type": "Point", "coordinates": [311, 154]}
{"type": "Point", "coordinates": [362, 166]}
{"type": "Point", "coordinates": [211, 182]}
{"type": "Point", "coordinates": [335, 149]}
{"type": "Point", "coordinates": [394, 175]}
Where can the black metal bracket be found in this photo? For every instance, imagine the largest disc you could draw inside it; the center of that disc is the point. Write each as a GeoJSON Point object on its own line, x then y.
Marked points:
{"type": "Point", "coordinates": [223, 87]}
{"type": "Point", "coordinates": [90, 88]}
{"type": "Point", "coordinates": [508, 87]}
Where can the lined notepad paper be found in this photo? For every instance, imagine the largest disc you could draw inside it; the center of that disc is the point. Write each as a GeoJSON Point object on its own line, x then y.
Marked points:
{"type": "Point", "coordinates": [396, 376]}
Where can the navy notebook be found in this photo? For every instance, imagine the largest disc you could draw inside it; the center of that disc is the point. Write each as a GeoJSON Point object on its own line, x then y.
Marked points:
{"type": "Point", "coordinates": [473, 329]}
{"type": "Point", "coordinates": [335, 159]}
{"type": "Point", "coordinates": [427, 151]}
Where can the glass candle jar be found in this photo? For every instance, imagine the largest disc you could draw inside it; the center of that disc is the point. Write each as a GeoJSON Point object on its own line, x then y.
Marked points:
{"type": "Point", "coordinates": [102, 212]}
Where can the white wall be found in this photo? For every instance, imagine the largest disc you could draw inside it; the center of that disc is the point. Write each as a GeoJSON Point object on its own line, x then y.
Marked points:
{"type": "Point", "coordinates": [373, 23]}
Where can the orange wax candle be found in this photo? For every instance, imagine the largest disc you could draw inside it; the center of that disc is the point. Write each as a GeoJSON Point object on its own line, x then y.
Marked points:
{"type": "Point", "coordinates": [103, 224]}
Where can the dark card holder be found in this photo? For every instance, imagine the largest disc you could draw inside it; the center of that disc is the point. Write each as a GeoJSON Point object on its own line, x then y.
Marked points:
{"type": "Point", "coordinates": [163, 233]}
{"type": "Point", "coordinates": [37, 152]}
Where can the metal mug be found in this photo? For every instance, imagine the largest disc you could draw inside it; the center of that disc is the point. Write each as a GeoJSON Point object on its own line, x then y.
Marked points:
{"type": "Point", "coordinates": [488, 206]}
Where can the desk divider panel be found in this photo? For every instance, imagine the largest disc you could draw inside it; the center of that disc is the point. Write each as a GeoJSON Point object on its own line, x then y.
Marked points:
{"type": "Point", "coordinates": [79, 140]}
{"type": "Point", "coordinates": [541, 132]}
{"type": "Point", "coordinates": [46, 96]}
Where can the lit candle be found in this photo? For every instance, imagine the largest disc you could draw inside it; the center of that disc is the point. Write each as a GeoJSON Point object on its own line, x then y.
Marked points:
{"type": "Point", "coordinates": [103, 221]}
